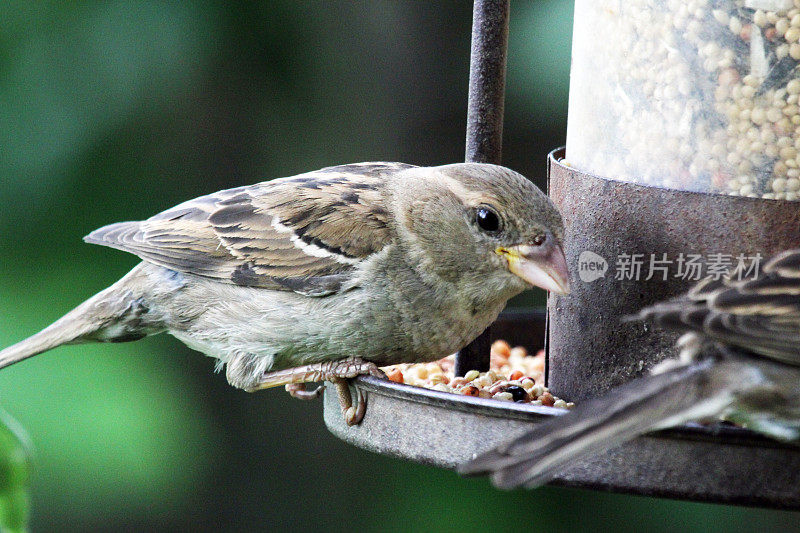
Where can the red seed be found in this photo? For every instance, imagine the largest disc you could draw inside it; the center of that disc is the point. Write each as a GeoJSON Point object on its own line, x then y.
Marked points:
{"type": "Point", "coordinates": [515, 375]}
{"type": "Point", "coordinates": [472, 390]}
{"type": "Point", "coordinates": [500, 351]}
{"type": "Point", "coordinates": [396, 375]}
{"type": "Point", "coordinates": [547, 399]}
{"type": "Point", "coordinates": [719, 179]}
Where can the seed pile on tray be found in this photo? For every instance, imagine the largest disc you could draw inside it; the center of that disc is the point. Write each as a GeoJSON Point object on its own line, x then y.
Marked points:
{"type": "Point", "coordinates": [696, 95]}
{"type": "Point", "coordinates": [513, 376]}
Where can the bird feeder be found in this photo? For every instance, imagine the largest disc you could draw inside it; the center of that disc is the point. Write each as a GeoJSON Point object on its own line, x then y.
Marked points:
{"type": "Point", "coordinates": [681, 162]}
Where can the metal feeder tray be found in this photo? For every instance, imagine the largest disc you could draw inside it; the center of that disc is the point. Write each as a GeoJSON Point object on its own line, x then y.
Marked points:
{"type": "Point", "coordinates": [716, 463]}
{"type": "Point", "coordinates": [704, 463]}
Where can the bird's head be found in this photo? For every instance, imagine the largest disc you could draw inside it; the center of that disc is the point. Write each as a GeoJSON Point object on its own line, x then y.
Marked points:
{"type": "Point", "coordinates": [483, 222]}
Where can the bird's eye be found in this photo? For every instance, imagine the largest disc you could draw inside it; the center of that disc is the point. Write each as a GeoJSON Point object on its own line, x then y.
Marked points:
{"type": "Point", "coordinates": [487, 219]}
{"type": "Point", "coordinates": [539, 239]}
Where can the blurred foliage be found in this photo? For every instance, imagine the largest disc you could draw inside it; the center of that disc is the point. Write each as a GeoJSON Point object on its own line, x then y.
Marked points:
{"type": "Point", "coordinates": [14, 475]}
{"type": "Point", "coordinates": [116, 110]}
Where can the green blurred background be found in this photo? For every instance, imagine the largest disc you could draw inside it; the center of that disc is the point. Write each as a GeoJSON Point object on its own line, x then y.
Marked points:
{"type": "Point", "coordinates": [113, 111]}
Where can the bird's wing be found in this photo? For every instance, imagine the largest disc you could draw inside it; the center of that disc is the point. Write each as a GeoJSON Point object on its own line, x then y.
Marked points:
{"type": "Point", "coordinates": [305, 233]}
{"type": "Point", "coordinates": [647, 403]}
{"type": "Point", "coordinates": [760, 315]}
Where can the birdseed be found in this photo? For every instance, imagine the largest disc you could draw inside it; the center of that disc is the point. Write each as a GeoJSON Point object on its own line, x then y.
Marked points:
{"type": "Point", "coordinates": [513, 376]}
{"type": "Point", "coordinates": [695, 95]}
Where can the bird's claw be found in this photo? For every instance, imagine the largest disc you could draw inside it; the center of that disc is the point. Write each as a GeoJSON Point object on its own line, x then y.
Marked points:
{"type": "Point", "coordinates": [299, 391]}
{"type": "Point", "coordinates": [337, 372]}
{"type": "Point", "coordinates": [353, 414]}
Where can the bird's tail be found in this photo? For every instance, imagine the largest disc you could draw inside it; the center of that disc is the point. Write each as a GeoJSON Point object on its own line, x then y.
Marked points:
{"type": "Point", "coordinates": [112, 315]}
{"type": "Point", "coordinates": [674, 396]}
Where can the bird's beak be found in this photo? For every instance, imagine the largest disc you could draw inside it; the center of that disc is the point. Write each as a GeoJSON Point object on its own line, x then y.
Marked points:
{"type": "Point", "coordinates": [542, 266]}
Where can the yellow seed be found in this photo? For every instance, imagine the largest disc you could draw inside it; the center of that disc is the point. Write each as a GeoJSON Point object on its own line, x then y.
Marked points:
{"type": "Point", "coordinates": [745, 167]}
{"type": "Point", "coordinates": [758, 115]}
{"type": "Point", "coordinates": [772, 17]}
{"type": "Point", "coordinates": [750, 80]}
{"type": "Point", "coordinates": [482, 381]}
{"type": "Point", "coordinates": [788, 153]}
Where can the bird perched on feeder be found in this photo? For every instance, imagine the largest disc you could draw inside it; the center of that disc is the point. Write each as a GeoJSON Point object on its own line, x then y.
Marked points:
{"type": "Point", "coordinates": [328, 274]}
{"type": "Point", "coordinates": [741, 358]}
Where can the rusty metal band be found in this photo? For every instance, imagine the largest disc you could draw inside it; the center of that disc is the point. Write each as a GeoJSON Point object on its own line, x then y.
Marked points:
{"type": "Point", "coordinates": [590, 350]}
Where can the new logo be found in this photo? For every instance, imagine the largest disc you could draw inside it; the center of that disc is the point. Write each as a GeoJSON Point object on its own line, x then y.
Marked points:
{"type": "Point", "coordinates": [591, 266]}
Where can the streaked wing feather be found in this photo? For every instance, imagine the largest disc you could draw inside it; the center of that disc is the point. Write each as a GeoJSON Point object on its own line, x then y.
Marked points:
{"type": "Point", "coordinates": [760, 315]}
{"type": "Point", "coordinates": [594, 425]}
{"type": "Point", "coordinates": [304, 233]}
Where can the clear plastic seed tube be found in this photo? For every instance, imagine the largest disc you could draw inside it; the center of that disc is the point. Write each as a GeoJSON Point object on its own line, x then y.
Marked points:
{"type": "Point", "coordinates": [698, 95]}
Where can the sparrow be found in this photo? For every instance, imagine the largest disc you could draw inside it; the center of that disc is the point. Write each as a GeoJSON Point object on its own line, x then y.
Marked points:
{"type": "Point", "coordinates": [326, 275]}
{"type": "Point", "coordinates": [739, 358]}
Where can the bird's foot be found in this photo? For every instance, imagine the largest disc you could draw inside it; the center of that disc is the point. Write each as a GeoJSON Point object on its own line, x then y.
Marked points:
{"type": "Point", "coordinates": [337, 372]}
